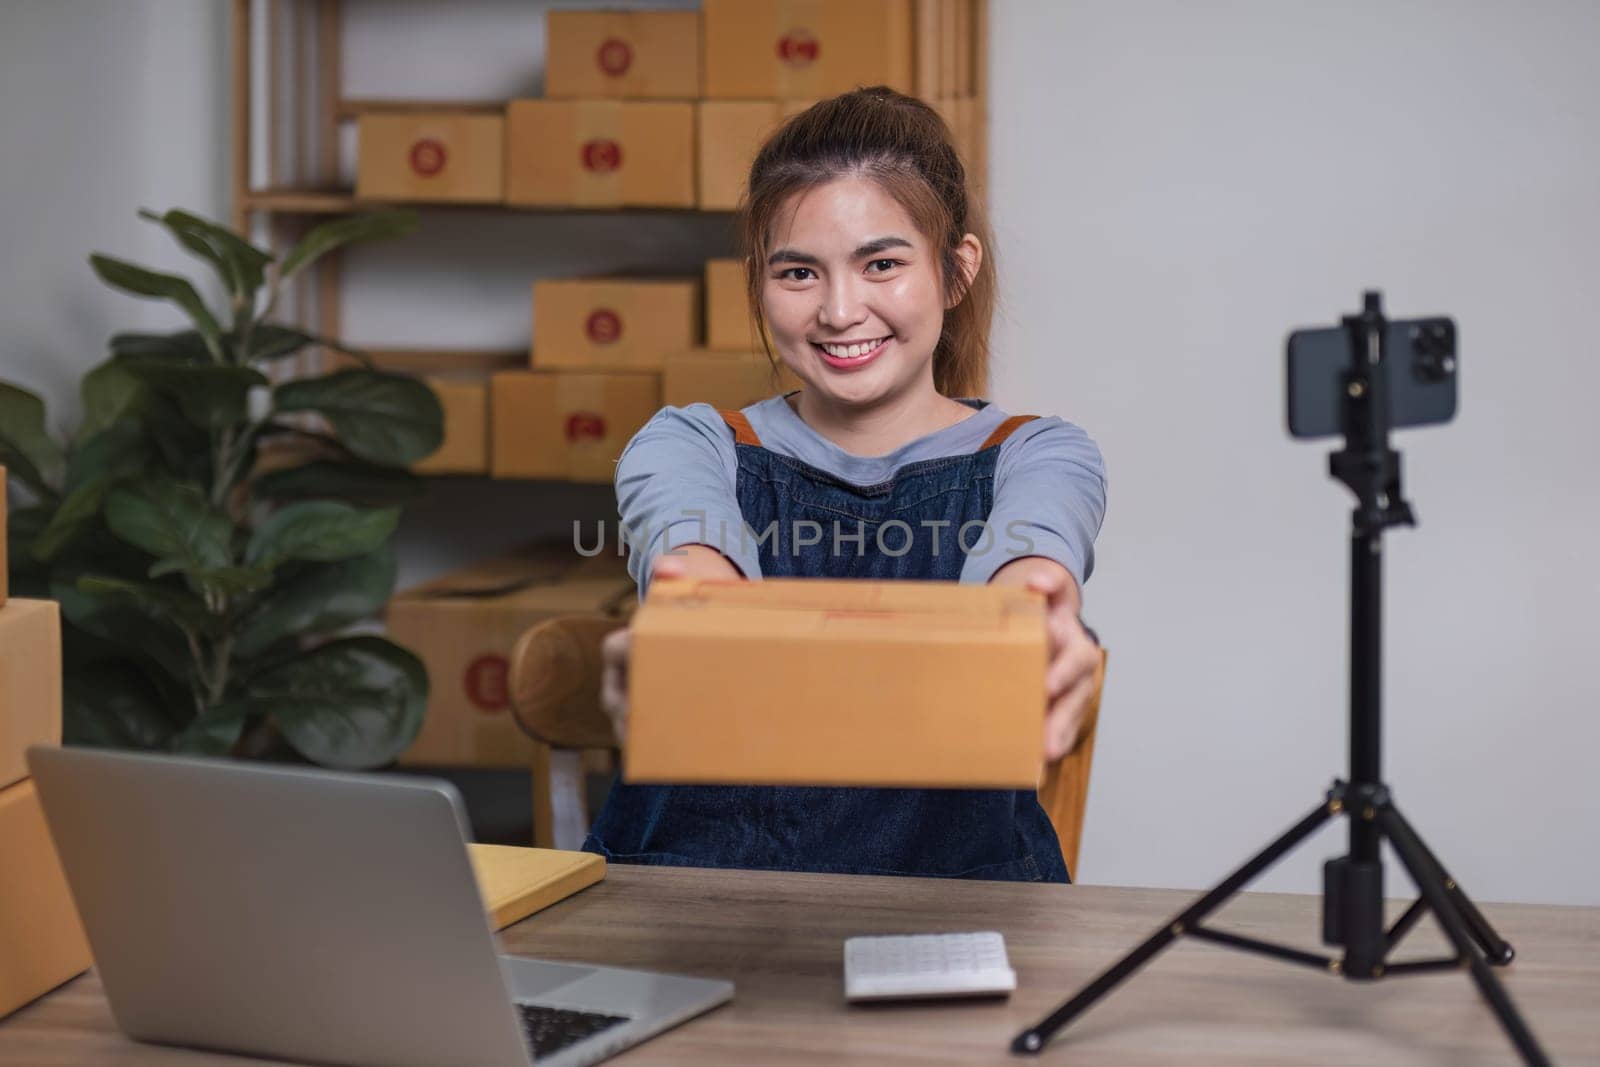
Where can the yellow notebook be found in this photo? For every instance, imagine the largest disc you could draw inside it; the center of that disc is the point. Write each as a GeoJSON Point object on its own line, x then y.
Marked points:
{"type": "Point", "coordinates": [516, 882]}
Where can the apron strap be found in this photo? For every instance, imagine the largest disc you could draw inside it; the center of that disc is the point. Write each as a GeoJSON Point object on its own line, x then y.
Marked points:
{"type": "Point", "coordinates": [1004, 430]}
{"type": "Point", "coordinates": [742, 432]}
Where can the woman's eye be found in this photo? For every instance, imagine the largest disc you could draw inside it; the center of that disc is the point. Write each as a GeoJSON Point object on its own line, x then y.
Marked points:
{"type": "Point", "coordinates": [788, 275]}
{"type": "Point", "coordinates": [883, 265]}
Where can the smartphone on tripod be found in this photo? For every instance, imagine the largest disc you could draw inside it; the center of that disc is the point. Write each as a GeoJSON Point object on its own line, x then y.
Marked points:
{"type": "Point", "coordinates": [1419, 354]}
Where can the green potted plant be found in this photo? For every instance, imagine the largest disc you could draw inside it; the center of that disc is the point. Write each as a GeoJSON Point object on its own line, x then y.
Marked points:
{"type": "Point", "coordinates": [212, 536]}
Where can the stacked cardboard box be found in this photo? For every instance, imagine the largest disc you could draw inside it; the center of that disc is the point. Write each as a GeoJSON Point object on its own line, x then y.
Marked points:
{"type": "Point", "coordinates": [41, 941]}
{"type": "Point", "coordinates": [443, 156]}
{"type": "Point", "coordinates": [463, 627]}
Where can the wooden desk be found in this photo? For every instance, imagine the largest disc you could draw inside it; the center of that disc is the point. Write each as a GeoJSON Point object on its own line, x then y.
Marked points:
{"type": "Point", "coordinates": [780, 936]}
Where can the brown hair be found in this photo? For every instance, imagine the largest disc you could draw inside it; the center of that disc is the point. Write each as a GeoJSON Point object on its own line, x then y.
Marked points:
{"type": "Point", "coordinates": [902, 144]}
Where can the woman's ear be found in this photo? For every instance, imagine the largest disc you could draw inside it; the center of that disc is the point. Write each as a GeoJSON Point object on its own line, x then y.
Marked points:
{"type": "Point", "coordinates": [969, 257]}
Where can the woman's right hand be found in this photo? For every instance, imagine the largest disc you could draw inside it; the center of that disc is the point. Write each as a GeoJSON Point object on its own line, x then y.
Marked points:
{"type": "Point", "coordinates": [690, 561]}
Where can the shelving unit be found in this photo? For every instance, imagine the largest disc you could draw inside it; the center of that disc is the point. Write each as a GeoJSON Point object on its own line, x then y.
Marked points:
{"type": "Point", "coordinates": [300, 93]}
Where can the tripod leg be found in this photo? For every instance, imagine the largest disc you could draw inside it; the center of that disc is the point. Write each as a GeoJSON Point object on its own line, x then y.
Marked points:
{"type": "Point", "coordinates": [1428, 875]}
{"type": "Point", "coordinates": [1496, 948]}
{"type": "Point", "coordinates": [1035, 1039]}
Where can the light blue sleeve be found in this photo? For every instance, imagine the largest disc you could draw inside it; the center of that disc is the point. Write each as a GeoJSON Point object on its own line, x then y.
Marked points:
{"type": "Point", "coordinates": [1049, 500]}
{"type": "Point", "coordinates": [676, 485]}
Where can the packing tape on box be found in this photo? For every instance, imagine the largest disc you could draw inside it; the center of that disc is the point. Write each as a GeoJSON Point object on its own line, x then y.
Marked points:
{"type": "Point", "coordinates": [602, 155]}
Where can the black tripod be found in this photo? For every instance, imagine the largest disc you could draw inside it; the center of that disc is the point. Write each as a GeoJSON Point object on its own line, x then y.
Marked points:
{"type": "Point", "coordinates": [1352, 897]}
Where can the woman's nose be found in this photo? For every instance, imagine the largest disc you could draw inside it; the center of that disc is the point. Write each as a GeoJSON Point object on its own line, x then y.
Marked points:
{"type": "Point", "coordinates": [842, 306]}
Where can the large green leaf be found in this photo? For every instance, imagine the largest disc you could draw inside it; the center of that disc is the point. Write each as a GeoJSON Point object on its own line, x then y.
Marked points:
{"type": "Point", "coordinates": [26, 449]}
{"type": "Point", "coordinates": [110, 393]}
{"type": "Point", "coordinates": [185, 345]}
{"type": "Point", "coordinates": [139, 281]}
{"type": "Point", "coordinates": [318, 599]}
{"type": "Point", "coordinates": [384, 418]}
{"type": "Point", "coordinates": [79, 510]}
{"type": "Point", "coordinates": [269, 341]}
{"type": "Point", "coordinates": [118, 624]}
{"type": "Point", "coordinates": [363, 484]}
{"type": "Point", "coordinates": [111, 703]}
{"type": "Point", "coordinates": [163, 603]}
{"type": "Point", "coordinates": [354, 703]}
{"type": "Point", "coordinates": [321, 531]}
{"type": "Point", "coordinates": [212, 395]}
{"type": "Point", "coordinates": [331, 235]}
{"type": "Point", "coordinates": [241, 264]}
{"type": "Point", "coordinates": [211, 733]}
{"type": "Point", "coordinates": [171, 521]}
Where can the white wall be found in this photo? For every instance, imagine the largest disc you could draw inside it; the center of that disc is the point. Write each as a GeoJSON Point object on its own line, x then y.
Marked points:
{"type": "Point", "coordinates": [104, 109]}
{"type": "Point", "coordinates": [1176, 185]}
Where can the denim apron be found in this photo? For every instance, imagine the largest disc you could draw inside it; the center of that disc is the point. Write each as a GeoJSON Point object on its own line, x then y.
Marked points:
{"type": "Point", "coordinates": [950, 833]}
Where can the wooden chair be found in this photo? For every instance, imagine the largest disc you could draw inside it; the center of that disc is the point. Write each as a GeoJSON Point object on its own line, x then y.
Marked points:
{"type": "Point", "coordinates": [555, 696]}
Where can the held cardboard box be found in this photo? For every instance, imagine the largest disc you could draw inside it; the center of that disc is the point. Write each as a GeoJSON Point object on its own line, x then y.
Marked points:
{"type": "Point", "coordinates": [612, 323]}
{"type": "Point", "coordinates": [730, 132]}
{"type": "Point", "coordinates": [30, 682]}
{"type": "Point", "coordinates": [439, 155]}
{"type": "Point", "coordinates": [465, 448]}
{"type": "Point", "coordinates": [600, 153]}
{"type": "Point", "coordinates": [837, 682]}
{"type": "Point", "coordinates": [789, 49]}
{"type": "Point", "coordinates": [463, 626]}
{"type": "Point", "coordinates": [41, 941]}
{"type": "Point", "coordinates": [633, 54]}
{"type": "Point", "coordinates": [725, 380]}
{"type": "Point", "coordinates": [566, 425]}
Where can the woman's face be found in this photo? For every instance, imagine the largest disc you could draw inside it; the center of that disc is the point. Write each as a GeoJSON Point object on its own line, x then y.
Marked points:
{"type": "Point", "coordinates": [852, 293]}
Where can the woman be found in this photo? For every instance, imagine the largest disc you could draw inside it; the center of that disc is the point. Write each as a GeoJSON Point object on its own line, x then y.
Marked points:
{"type": "Point", "coordinates": [867, 267]}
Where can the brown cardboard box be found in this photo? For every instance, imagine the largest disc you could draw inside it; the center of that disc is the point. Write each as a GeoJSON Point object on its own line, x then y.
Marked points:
{"type": "Point", "coordinates": [600, 153]}
{"type": "Point", "coordinates": [463, 626]}
{"type": "Point", "coordinates": [730, 132]}
{"type": "Point", "coordinates": [5, 583]}
{"type": "Point", "coordinates": [41, 940]}
{"type": "Point", "coordinates": [926, 16]}
{"type": "Point", "coordinates": [725, 380]}
{"type": "Point", "coordinates": [634, 54]}
{"type": "Point", "coordinates": [566, 425]}
{"type": "Point", "coordinates": [613, 323]}
{"type": "Point", "coordinates": [728, 323]}
{"type": "Point", "coordinates": [438, 155]}
{"type": "Point", "coordinates": [30, 682]}
{"type": "Point", "coordinates": [792, 49]}
{"type": "Point", "coordinates": [837, 682]}
{"type": "Point", "coordinates": [465, 449]}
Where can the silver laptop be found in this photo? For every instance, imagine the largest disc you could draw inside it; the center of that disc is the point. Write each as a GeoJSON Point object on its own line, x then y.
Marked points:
{"type": "Point", "coordinates": [310, 915]}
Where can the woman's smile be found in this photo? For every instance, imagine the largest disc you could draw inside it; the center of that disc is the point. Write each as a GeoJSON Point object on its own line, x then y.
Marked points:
{"type": "Point", "coordinates": [851, 355]}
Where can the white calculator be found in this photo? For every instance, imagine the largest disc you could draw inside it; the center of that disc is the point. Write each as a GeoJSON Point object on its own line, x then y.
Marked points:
{"type": "Point", "coordinates": [927, 965]}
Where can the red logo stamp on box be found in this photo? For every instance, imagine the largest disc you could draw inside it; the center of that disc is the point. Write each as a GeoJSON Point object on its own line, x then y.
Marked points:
{"type": "Point", "coordinates": [798, 48]}
{"type": "Point", "coordinates": [427, 157]}
{"type": "Point", "coordinates": [486, 681]}
{"type": "Point", "coordinates": [603, 327]}
{"type": "Point", "coordinates": [614, 56]}
{"type": "Point", "coordinates": [602, 155]}
{"type": "Point", "coordinates": [586, 426]}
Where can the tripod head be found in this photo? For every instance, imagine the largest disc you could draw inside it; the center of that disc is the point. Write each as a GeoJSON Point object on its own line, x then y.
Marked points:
{"type": "Point", "coordinates": [1360, 379]}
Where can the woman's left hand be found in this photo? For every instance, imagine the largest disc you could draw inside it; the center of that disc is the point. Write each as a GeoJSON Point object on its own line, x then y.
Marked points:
{"type": "Point", "coordinates": [1073, 654]}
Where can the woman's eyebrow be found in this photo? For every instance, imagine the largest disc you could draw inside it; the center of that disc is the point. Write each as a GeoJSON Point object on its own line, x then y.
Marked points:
{"type": "Point", "coordinates": [871, 248]}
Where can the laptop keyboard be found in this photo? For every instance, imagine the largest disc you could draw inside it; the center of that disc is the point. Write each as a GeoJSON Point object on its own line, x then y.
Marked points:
{"type": "Point", "coordinates": [550, 1030]}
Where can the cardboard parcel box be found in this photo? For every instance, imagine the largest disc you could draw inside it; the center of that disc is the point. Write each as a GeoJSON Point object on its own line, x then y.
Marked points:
{"type": "Point", "coordinates": [463, 626]}
{"type": "Point", "coordinates": [793, 49]}
{"type": "Point", "coordinates": [600, 153]}
{"type": "Point", "coordinates": [41, 941]}
{"type": "Point", "coordinates": [634, 54]}
{"type": "Point", "coordinates": [837, 682]}
{"type": "Point", "coordinates": [30, 683]}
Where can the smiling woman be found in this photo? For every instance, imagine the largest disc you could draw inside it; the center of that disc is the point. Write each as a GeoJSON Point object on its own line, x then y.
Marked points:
{"type": "Point", "coordinates": [867, 266]}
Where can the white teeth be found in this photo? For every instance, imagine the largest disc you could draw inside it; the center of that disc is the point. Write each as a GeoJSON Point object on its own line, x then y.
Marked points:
{"type": "Point", "coordinates": [852, 351]}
